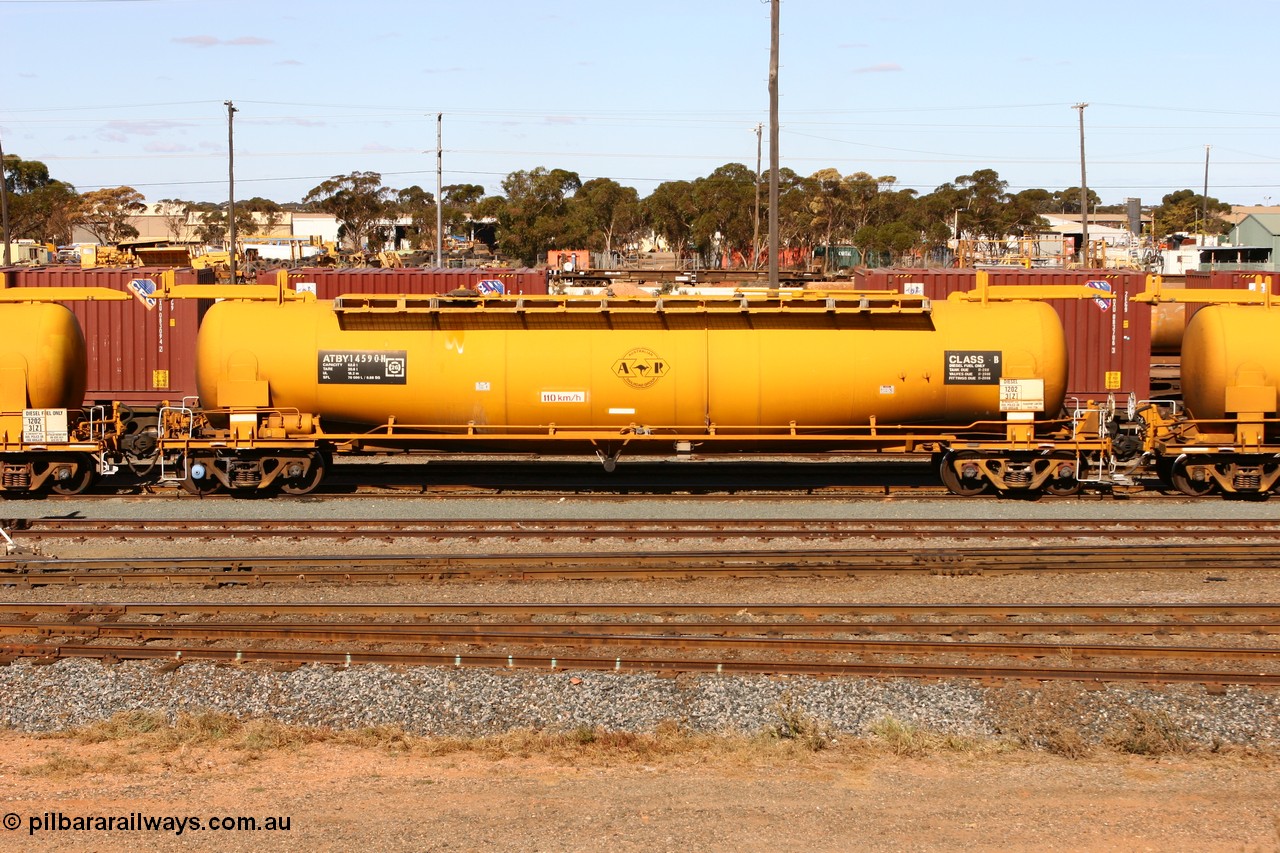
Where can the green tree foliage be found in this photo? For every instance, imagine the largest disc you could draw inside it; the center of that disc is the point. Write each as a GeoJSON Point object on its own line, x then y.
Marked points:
{"type": "Point", "coordinates": [358, 201]}
{"type": "Point", "coordinates": [669, 211]}
{"type": "Point", "coordinates": [1022, 214]}
{"type": "Point", "coordinates": [105, 213]}
{"type": "Point", "coordinates": [841, 206]}
{"type": "Point", "coordinates": [723, 220]}
{"type": "Point", "coordinates": [264, 213]}
{"type": "Point", "coordinates": [984, 196]}
{"type": "Point", "coordinates": [211, 223]}
{"type": "Point", "coordinates": [1068, 201]}
{"type": "Point", "coordinates": [1183, 211]}
{"type": "Point", "coordinates": [608, 212]}
{"type": "Point", "coordinates": [41, 208]}
{"type": "Point", "coordinates": [829, 204]}
{"type": "Point", "coordinates": [461, 205]}
{"type": "Point", "coordinates": [982, 208]}
{"type": "Point", "coordinates": [794, 220]}
{"type": "Point", "coordinates": [420, 207]}
{"type": "Point", "coordinates": [535, 217]}
{"type": "Point", "coordinates": [462, 197]}
{"type": "Point", "coordinates": [707, 218]}
{"type": "Point", "coordinates": [176, 214]}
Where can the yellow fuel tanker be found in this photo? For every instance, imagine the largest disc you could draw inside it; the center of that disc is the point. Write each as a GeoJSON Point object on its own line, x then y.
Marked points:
{"type": "Point", "coordinates": [43, 364]}
{"type": "Point", "coordinates": [1231, 361]}
{"type": "Point", "coordinates": [689, 365]}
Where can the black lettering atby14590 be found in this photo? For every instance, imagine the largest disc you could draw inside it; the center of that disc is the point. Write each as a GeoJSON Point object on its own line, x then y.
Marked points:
{"type": "Point", "coordinates": [361, 367]}
{"type": "Point", "coordinates": [972, 367]}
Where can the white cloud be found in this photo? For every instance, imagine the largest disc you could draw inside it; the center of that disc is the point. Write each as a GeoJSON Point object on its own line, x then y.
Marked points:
{"type": "Point", "coordinates": [883, 67]}
{"type": "Point", "coordinates": [214, 41]}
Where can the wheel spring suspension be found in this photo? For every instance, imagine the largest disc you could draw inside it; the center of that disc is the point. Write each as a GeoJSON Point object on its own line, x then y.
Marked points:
{"type": "Point", "coordinates": [16, 477]}
{"type": "Point", "coordinates": [244, 474]}
{"type": "Point", "coordinates": [1018, 478]}
{"type": "Point", "coordinates": [1247, 481]}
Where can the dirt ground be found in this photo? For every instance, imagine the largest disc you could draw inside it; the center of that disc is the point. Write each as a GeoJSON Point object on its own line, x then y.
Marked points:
{"type": "Point", "coordinates": [578, 794]}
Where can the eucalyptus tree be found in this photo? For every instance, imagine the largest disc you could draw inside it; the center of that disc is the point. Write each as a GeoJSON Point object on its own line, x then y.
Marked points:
{"type": "Point", "coordinates": [419, 206]}
{"type": "Point", "coordinates": [829, 203]}
{"type": "Point", "coordinates": [265, 214]}
{"type": "Point", "coordinates": [1068, 201]}
{"type": "Point", "coordinates": [105, 213]}
{"type": "Point", "coordinates": [608, 211]}
{"type": "Point", "coordinates": [984, 195]}
{"type": "Point", "coordinates": [1183, 211]}
{"type": "Point", "coordinates": [209, 221]}
{"type": "Point", "coordinates": [534, 219]}
{"type": "Point", "coordinates": [724, 221]}
{"type": "Point", "coordinates": [41, 207]}
{"type": "Point", "coordinates": [358, 200]}
{"type": "Point", "coordinates": [670, 211]}
{"type": "Point", "coordinates": [176, 215]}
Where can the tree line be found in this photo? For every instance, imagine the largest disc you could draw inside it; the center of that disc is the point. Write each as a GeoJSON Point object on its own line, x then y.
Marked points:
{"type": "Point", "coordinates": [541, 209]}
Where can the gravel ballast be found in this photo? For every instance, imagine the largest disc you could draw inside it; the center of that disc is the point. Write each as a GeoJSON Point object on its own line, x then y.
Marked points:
{"type": "Point", "coordinates": [476, 702]}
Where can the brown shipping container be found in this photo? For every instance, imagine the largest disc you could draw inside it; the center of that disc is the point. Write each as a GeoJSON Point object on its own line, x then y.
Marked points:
{"type": "Point", "coordinates": [1108, 341]}
{"type": "Point", "coordinates": [409, 280]}
{"type": "Point", "coordinates": [136, 356]}
{"type": "Point", "coordinates": [1225, 280]}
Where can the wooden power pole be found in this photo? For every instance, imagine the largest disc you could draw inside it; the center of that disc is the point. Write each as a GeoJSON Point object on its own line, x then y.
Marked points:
{"type": "Point", "coordinates": [773, 143]}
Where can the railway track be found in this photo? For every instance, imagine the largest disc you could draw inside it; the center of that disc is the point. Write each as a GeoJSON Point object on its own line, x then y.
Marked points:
{"type": "Point", "coordinates": [1149, 528]}
{"type": "Point", "coordinates": [817, 646]}
{"type": "Point", "coordinates": [1174, 615]}
{"type": "Point", "coordinates": [808, 562]}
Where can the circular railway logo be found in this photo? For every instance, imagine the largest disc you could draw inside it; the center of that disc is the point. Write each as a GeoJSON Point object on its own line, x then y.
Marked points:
{"type": "Point", "coordinates": [641, 367]}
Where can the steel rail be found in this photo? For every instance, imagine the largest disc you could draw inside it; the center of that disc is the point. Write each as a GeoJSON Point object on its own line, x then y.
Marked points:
{"type": "Point", "coordinates": [525, 610]}
{"type": "Point", "coordinates": [951, 628]}
{"type": "Point", "coordinates": [778, 628]}
{"type": "Point", "coordinates": [679, 636]}
{"type": "Point", "coordinates": [645, 565]}
{"type": "Point", "coordinates": [178, 655]}
{"type": "Point", "coordinates": [614, 528]}
{"type": "Point", "coordinates": [1109, 555]}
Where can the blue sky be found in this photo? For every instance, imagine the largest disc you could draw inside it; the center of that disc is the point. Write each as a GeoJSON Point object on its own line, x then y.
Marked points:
{"type": "Point", "coordinates": [112, 92]}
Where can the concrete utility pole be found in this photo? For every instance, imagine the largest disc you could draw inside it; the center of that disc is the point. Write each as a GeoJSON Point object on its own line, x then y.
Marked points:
{"type": "Point", "coordinates": [755, 230]}
{"type": "Point", "coordinates": [4, 204]}
{"type": "Point", "coordinates": [1204, 199]}
{"type": "Point", "coordinates": [1084, 193]}
{"type": "Point", "coordinates": [439, 190]}
{"type": "Point", "coordinates": [231, 185]}
{"type": "Point", "coordinates": [773, 143]}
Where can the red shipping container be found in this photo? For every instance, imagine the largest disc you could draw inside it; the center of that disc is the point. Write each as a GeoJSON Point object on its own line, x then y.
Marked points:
{"type": "Point", "coordinates": [1226, 280]}
{"type": "Point", "coordinates": [331, 283]}
{"type": "Point", "coordinates": [1108, 341]}
{"type": "Point", "coordinates": [136, 356]}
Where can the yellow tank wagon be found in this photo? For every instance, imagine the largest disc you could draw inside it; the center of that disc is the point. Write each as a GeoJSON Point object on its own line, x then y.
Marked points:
{"type": "Point", "coordinates": [47, 442]}
{"type": "Point", "coordinates": [979, 384]}
{"type": "Point", "coordinates": [1227, 438]}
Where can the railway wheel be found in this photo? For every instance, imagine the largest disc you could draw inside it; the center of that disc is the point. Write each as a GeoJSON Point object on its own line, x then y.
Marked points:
{"type": "Point", "coordinates": [1068, 482]}
{"type": "Point", "coordinates": [76, 482]}
{"type": "Point", "coordinates": [1183, 482]}
{"type": "Point", "coordinates": [304, 483]}
{"type": "Point", "coordinates": [962, 475]}
{"type": "Point", "coordinates": [200, 479]}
